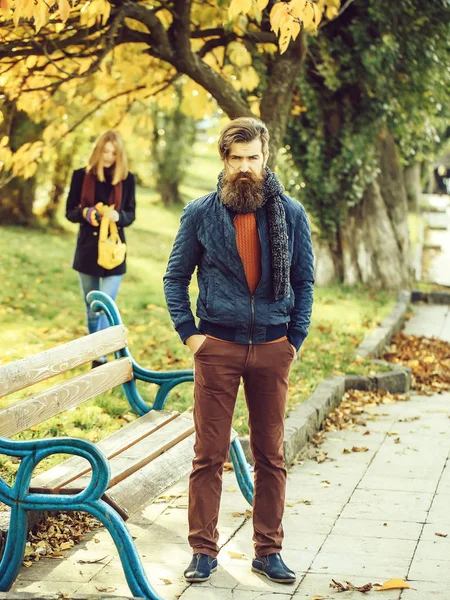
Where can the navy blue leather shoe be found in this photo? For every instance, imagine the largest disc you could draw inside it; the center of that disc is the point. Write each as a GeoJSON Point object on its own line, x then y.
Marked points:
{"type": "Point", "coordinates": [273, 567]}
{"type": "Point", "coordinates": [201, 567]}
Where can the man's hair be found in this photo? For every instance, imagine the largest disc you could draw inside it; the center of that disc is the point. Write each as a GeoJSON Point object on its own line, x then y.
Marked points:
{"type": "Point", "coordinates": [95, 162]}
{"type": "Point", "coordinates": [243, 129]}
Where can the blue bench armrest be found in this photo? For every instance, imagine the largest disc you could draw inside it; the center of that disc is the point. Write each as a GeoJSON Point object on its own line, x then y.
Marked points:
{"type": "Point", "coordinates": [167, 380]}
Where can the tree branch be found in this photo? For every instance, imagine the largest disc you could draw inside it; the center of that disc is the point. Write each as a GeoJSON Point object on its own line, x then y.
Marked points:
{"type": "Point", "coordinates": [341, 11]}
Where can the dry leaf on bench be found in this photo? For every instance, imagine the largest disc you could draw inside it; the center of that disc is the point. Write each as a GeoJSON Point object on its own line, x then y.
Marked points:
{"type": "Point", "coordinates": [393, 584]}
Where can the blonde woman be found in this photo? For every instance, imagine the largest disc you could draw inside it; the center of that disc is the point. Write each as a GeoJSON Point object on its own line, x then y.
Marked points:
{"type": "Point", "coordinates": [105, 181]}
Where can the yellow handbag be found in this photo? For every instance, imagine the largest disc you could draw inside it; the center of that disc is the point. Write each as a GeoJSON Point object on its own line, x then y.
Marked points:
{"type": "Point", "coordinates": [111, 249]}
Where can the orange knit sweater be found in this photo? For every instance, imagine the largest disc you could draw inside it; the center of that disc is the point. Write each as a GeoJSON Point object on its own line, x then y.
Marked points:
{"type": "Point", "coordinates": [249, 248]}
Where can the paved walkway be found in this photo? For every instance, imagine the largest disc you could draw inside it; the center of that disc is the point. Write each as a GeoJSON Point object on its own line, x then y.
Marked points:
{"type": "Point", "coordinates": [361, 517]}
{"type": "Point", "coordinates": [438, 237]}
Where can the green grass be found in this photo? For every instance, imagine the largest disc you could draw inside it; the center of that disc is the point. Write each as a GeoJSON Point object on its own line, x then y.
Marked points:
{"type": "Point", "coordinates": [41, 306]}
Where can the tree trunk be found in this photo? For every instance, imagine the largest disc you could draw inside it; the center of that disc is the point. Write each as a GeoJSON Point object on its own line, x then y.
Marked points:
{"type": "Point", "coordinates": [61, 172]}
{"type": "Point", "coordinates": [277, 98]}
{"type": "Point", "coordinates": [372, 245]}
{"type": "Point", "coordinates": [16, 202]}
{"type": "Point", "coordinates": [17, 196]}
{"type": "Point", "coordinates": [413, 185]}
{"type": "Point", "coordinates": [172, 138]}
{"type": "Point", "coordinates": [169, 192]}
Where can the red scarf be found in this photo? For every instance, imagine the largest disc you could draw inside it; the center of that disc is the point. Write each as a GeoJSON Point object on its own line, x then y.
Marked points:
{"type": "Point", "coordinates": [88, 193]}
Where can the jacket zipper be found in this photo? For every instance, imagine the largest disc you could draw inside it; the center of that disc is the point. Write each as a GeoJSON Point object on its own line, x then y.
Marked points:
{"type": "Point", "coordinates": [252, 321]}
{"type": "Point", "coordinates": [252, 297]}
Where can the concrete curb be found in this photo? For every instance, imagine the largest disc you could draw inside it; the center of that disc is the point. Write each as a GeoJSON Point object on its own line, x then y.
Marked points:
{"type": "Point", "coordinates": [430, 297]}
{"type": "Point", "coordinates": [374, 343]}
{"type": "Point", "coordinates": [305, 420]}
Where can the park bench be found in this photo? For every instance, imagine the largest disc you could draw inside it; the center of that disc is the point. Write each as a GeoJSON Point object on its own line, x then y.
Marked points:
{"type": "Point", "coordinates": [111, 479]}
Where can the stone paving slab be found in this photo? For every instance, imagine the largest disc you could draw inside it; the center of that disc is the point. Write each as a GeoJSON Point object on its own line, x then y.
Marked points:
{"type": "Point", "coordinates": [353, 564]}
{"type": "Point", "coordinates": [378, 528]}
{"type": "Point", "coordinates": [430, 320]}
{"type": "Point", "coordinates": [425, 590]}
{"type": "Point", "coordinates": [431, 569]}
{"type": "Point", "coordinates": [389, 505]}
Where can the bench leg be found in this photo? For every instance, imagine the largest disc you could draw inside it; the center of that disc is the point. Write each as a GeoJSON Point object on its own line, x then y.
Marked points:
{"type": "Point", "coordinates": [14, 549]}
{"type": "Point", "coordinates": [132, 566]}
{"type": "Point", "coordinates": [242, 471]}
{"type": "Point", "coordinates": [12, 558]}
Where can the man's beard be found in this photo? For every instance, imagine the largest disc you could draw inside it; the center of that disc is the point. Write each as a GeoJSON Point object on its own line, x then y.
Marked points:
{"type": "Point", "coordinates": [242, 192]}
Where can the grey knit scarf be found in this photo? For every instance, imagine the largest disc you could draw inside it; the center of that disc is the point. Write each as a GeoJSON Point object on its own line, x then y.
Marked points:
{"type": "Point", "coordinates": [272, 188]}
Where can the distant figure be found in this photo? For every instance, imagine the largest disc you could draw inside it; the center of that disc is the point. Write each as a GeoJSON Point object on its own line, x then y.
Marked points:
{"type": "Point", "coordinates": [251, 246]}
{"type": "Point", "coordinates": [105, 181]}
{"type": "Point", "coordinates": [442, 180]}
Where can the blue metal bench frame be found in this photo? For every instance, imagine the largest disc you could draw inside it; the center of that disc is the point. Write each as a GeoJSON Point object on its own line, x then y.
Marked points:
{"type": "Point", "coordinates": [89, 500]}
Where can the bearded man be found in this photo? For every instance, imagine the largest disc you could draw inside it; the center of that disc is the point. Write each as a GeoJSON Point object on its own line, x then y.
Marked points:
{"type": "Point", "coordinates": [251, 245]}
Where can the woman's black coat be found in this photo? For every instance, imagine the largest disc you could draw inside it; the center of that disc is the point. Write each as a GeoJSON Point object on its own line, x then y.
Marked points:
{"type": "Point", "coordinates": [86, 253]}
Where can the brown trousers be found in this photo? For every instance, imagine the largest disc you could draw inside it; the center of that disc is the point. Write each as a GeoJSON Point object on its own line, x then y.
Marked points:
{"type": "Point", "coordinates": [264, 369]}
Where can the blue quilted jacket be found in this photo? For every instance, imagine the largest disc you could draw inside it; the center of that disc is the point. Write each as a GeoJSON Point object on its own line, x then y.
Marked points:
{"type": "Point", "coordinates": [206, 239]}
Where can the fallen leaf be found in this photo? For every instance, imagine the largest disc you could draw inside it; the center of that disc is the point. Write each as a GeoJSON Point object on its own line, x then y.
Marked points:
{"type": "Point", "coordinates": [166, 581]}
{"type": "Point", "coordinates": [105, 589]}
{"type": "Point", "coordinates": [393, 584]}
{"type": "Point", "coordinates": [93, 561]}
{"type": "Point", "coordinates": [360, 449]}
{"type": "Point", "coordinates": [231, 489]}
{"type": "Point", "coordinates": [66, 545]}
{"type": "Point", "coordinates": [318, 598]}
{"type": "Point", "coordinates": [441, 534]}
{"type": "Point", "coordinates": [232, 554]}
{"type": "Point", "coordinates": [321, 457]}
{"type": "Point", "coordinates": [348, 587]}
{"type": "Point", "coordinates": [397, 441]}
{"type": "Point", "coordinates": [428, 359]}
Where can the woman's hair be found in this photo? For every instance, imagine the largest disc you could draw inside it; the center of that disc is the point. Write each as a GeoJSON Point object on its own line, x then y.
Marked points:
{"type": "Point", "coordinates": [243, 129]}
{"type": "Point", "coordinates": [95, 162]}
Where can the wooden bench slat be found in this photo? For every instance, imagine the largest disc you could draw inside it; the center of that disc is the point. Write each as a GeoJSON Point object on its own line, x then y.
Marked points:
{"type": "Point", "coordinates": [28, 371]}
{"type": "Point", "coordinates": [54, 479]}
{"type": "Point", "coordinates": [60, 398]}
{"type": "Point", "coordinates": [138, 455]}
{"type": "Point", "coordinates": [143, 486]}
